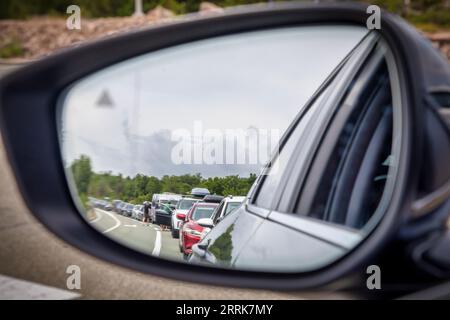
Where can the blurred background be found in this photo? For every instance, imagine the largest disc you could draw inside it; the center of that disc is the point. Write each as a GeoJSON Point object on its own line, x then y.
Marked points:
{"type": "Point", "coordinates": [30, 29]}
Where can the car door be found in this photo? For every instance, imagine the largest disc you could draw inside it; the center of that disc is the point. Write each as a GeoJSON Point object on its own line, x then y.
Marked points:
{"type": "Point", "coordinates": [332, 183]}
{"type": "Point", "coordinates": [228, 238]}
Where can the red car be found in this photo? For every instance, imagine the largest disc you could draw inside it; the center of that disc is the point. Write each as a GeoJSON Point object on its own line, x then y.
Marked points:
{"type": "Point", "coordinates": [190, 230]}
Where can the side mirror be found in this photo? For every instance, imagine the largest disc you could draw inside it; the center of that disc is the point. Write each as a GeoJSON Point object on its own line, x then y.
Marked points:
{"type": "Point", "coordinates": [205, 223]}
{"type": "Point", "coordinates": [181, 216]}
{"type": "Point", "coordinates": [341, 206]}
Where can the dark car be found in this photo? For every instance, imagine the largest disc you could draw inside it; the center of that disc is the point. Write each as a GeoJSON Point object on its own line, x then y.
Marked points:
{"type": "Point", "coordinates": [116, 205]}
{"type": "Point", "coordinates": [163, 215]}
{"type": "Point", "coordinates": [213, 198]}
{"type": "Point", "coordinates": [128, 209]}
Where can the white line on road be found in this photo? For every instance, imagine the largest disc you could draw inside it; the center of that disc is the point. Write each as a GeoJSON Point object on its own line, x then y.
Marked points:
{"type": "Point", "coordinates": [130, 225]}
{"type": "Point", "coordinates": [157, 247]}
{"type": "Point", "coordinates": [118, 223]}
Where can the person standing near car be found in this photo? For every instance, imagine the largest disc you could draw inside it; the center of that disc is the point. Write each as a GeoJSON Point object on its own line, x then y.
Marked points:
{"type": "Point", "coordinates": [147, 207]}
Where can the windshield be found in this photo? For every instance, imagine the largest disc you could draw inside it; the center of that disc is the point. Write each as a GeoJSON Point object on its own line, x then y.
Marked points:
{"type": "Point", "coordinates": [231, 206]}
{"type": "Point", "coordinates": [166, 207]}
{"type": "Point", "coordinates": [202, 212]}
{"type": "Point", "coordinates": [186, 204]}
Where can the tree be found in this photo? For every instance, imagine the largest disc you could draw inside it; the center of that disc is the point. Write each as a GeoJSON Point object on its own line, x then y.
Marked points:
{"type": "Point", "coordinates": [82, 173]}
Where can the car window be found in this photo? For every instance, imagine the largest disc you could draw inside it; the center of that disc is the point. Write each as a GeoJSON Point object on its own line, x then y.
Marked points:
{"type": "Point", "coordinates": [346, 183]}
{"type": "Point", "coordinates": [217, 211]}
{"type": "Point", "coordinates": [202, 212]}
{"type": "Point", "coordinates": [231, 206]}
{"type": "Point", "coordinates": [186, 204]}
{"type": "Point", "coordinates": [272, 177]}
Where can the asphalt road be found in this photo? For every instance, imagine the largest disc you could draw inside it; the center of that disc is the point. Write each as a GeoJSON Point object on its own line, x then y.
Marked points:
{"type": "Point", "coordinates": [148, 238]}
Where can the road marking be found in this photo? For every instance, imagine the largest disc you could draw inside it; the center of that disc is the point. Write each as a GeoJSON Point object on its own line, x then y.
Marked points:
{"type": "Point", "coordinates": [118, 223]}
{"type": "Point", "coordinates": [157, 247]}
{"type": "Point", "coordinates": [130, 225]}
{"type": "Point", "coordinates": [17, 289]}
{"type": "Point", "coordinates": [99, 216]}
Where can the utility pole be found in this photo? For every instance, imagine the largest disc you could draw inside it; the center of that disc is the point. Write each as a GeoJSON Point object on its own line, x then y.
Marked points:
{"type": "Point", "coordinates": [138, 11]}
{"type": "Point", "coordinates": [407, 5]}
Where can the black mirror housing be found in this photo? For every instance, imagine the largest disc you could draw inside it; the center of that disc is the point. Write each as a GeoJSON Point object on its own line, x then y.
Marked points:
{"type": "Point", "coordinates": [34, 152]}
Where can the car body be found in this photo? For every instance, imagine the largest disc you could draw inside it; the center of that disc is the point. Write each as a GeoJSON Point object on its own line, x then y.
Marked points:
{"type": "Point", "coordinates": [101, 204]}
{"type": "Point", "coordinates": [124, 208]}
{"type": "Point", "coordinates": [334, 183]}
{"type": "Point", "coordinates": [128, 210]}
{"type": "Point", "coordinates": [138, 212]}
{"type": "Point", "coordinates": [226, 206]}
{"type": "Point", "coordinates": [212, 198]}
{"type": "Point", "coordinates": [166, 201]}
{"type": "Point", "coordinates": [190, 230]}
{"type": "Point", "coordinates": [120, 207]}
{"type": "Point", "coordinates": [199, 192]}
{"type": "Point", "coordinates": [115, 205]}
{"type": "Point", "coordinates": [107, 206]}
{"type": "Point", "coordinates": [183, 207]}
{"type": "Point", "coordinates": [163, 215]}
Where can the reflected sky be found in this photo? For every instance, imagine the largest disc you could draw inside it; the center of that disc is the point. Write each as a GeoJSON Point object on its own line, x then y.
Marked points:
{"type": "Point", "coordinates": [123, 117]}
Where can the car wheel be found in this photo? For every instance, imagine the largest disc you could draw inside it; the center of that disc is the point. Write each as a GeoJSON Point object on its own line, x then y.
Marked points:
{"type": "Point", "coordinates": [174, 233]}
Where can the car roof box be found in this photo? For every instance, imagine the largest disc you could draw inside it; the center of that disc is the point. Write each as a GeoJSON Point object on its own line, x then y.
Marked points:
{"type": "Point", "coordinates": [199, 192]}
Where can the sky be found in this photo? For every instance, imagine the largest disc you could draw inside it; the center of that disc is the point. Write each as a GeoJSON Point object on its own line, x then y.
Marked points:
{"type": "Point", "coordinates": [132, 117]}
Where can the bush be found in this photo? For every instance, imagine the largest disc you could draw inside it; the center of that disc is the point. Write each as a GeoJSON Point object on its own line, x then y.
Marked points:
{"type": "Point", "coordinates": [11, 50]}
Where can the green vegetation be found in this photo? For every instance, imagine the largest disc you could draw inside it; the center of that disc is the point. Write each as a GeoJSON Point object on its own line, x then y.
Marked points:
{"type": "Point", "coordinates": [420, 12]}
{"type": "Point", "coordinates": [11, 49]}
{"type": "Point", "coordinates": [223, 246]}
{"type": "Point", "coordinates": [428, 15]}
{"type": "Point", "coordinates": [139, 188]}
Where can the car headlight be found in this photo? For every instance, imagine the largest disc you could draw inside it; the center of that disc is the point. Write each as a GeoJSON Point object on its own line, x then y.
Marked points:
{"type": "Point", "coordinates": [193, 232]}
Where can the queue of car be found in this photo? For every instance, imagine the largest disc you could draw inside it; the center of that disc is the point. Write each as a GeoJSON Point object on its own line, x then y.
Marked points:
{"type": "Point", "coordinates": [189, 217]}
{"type": "Point", "coordinates": [99, 203]}
{"type": "Point", "coordinates": [202, 217]}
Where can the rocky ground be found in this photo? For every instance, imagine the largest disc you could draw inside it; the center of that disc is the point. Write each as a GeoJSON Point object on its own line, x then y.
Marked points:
{"type": "Point", "coordinates": [40, 36]}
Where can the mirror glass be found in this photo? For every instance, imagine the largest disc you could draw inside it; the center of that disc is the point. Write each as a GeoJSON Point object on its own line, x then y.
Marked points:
{"type": "Point", "coordinates": [271, 150]}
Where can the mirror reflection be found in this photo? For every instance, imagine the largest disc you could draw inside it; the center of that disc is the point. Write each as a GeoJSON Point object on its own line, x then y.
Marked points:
{"type": "Point", "coordinates": [272, 150]}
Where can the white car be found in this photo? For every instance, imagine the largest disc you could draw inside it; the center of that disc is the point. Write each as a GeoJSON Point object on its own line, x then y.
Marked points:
{"type": "Point", "coordinates": [227, 205]}
{"type": "Point", "coordinates": [183, 207]}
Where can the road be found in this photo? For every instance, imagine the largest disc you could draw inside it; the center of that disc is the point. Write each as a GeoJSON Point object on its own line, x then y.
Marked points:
{"type": "Point", "coordinates": [147, 238]}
